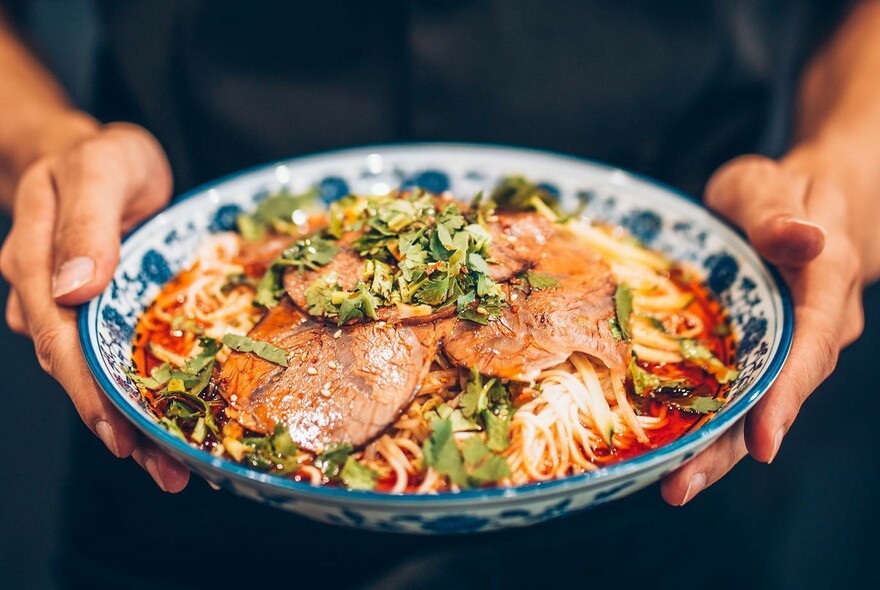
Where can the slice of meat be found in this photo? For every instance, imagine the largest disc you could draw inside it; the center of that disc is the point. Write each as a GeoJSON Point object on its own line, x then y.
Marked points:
{"type": "Point", "coordinates": [545, 327]}
{"type": "Point", "coordinates": [518, 239]}
{"type": "Point", "coordinates": [345, 388]}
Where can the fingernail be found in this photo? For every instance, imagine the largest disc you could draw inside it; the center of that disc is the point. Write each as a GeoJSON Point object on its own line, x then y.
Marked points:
{"type": "Point", "coordinates": [695, 486]}
{"type": "Point", "coordinates": [805, 223]}
{"type": "Point", "coordinates": [777, 442]}
{"type": "Point", "coordinates": [72, 275]}
{"type": "Point", "coordinates": [152, 467]}
{"type": "Point", "coordinates": [105, 433]}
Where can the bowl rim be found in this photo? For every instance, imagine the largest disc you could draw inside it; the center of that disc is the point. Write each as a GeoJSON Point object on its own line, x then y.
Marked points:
{"type": "Point", "coordinates": [606, 474]}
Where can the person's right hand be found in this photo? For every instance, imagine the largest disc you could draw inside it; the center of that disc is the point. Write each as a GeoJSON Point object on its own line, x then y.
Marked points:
{"type": "Point", "coordinates": [71, 207]}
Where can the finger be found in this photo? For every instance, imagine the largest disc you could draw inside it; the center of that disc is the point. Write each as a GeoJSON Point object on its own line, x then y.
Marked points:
{"type": "Point", "coordinates": [770, 204]}
{"type": "Point", "coordinates": [825, 302]}
{"type": "Point", "coordinates": [54, 328]}
{"type": "Point", "coordinates": [170, 475]}
{"type": "Point", "coordinates": [95, 185]}
{"type": "Point", "coordinates": [682, 485]}
{"type": "Point", "coordinates": [15, 316]}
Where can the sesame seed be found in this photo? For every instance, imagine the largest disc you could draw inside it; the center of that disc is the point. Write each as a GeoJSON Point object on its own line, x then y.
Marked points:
{"type": "Point", "coordinates": [312, 371]}
{"type": "Point", "coordinates": [304, 357]}
{"type": "Point", "coordinates": [327, 385]}
{"type": "Point", "coordinates": [482, 310]}
{"type": "Point", "coordinates": [337, 334]}
{"type": "Point", "coordinates": [331, 364]}
{"type": "Point", "coordinates": [513, 296]}
{"type": "Point", "coordinates": [325, 392]}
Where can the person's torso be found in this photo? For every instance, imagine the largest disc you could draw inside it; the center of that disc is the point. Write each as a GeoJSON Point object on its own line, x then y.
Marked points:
{"type": "Point", "coordinates": [667, 89]}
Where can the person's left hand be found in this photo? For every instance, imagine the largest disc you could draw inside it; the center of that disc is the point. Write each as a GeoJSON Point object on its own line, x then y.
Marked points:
{"type": "Point", "coordinates": [796, 216]}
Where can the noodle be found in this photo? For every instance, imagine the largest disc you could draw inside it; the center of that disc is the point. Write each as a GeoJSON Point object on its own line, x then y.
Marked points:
{"type": "Point", "coordinates": [573, 418]}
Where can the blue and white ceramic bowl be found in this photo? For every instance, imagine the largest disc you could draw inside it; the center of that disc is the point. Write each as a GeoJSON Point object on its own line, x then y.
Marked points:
{"type": "Point", "coordinates": [662, 218]}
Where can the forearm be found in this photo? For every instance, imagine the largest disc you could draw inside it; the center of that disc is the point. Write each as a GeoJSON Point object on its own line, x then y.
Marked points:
{"type": "Point", "coordinates": [36, 117]}
{"type": "Point", "coordinates": [838, 123]}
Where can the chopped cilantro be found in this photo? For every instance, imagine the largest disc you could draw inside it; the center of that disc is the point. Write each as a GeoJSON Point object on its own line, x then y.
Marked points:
{"type": "Point", "coordinates": [210, 348]}
{"type": "Point", "coordinates": [516, 193]}
{"type": "Point", "coordinates": [623, 306]}
{"type": "Point", "coordinates": [539, 281]}
{"type": "Point", "coordinates": [482, 465]}
{"type": "Point", "coordinates": [356, 476]}
{"type": "Point", "coordinates": [330, 462]}
{"type": "Point", "coordinates": [276, 452]}
{"type": "Point", "coordinates": [695, 404]}
{"type": "Point", "coordinates": [264, 350]}
{"type": "Point", "coordinates": [643, 381]}
{"type": "Point", "coordinates": [702, 356]}
{"type": "Point", "coordinates": [276, 212]}
{"type": "Point", "coordinates": [441, 452]}
{"type": "Point", "coordinates": [309, 253]}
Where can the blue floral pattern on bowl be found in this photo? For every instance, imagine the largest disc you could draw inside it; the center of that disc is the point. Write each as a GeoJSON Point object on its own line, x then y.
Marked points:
{"type": "Point", "coordinates": [759, 307]}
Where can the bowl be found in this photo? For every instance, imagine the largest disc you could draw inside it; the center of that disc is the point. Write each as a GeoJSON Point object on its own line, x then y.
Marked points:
{"type": "Point", "coordinates": [662, 218]}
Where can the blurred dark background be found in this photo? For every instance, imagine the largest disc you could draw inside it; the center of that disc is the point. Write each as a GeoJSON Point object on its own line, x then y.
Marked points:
{"type": "Point", "coordinates": [812, 514]}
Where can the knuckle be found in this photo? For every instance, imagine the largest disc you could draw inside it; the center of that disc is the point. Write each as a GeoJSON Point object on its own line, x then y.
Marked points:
{"type": "Point", "coordinates": [721, 190]}
{"type": "Point", "coordinates": [827, 345]}
{"type": "Point", "coordinates": [48, 347]}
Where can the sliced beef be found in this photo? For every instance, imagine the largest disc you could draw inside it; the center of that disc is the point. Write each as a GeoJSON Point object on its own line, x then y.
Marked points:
{"type": "Point", "coordinates": [518, 242]}
{"type": "Point", "coordinates": [544, 327]}
{"type": "Point", "coordinates": [342, 385]}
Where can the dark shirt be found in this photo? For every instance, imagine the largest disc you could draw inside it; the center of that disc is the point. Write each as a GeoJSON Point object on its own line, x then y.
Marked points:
{"type": "Point", "coordinates": [669, 89]}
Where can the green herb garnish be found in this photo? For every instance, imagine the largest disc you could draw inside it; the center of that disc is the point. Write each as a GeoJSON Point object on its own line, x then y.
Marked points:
{"type": "Point", "coordinates": [275, 213]}
{"type": "Point", "coordinates": [356, 476]}
{"type": "Point", "coordinates": [623, 307]}
{"type": "Point", "coordinates": [264, 350]}
{"type": "Point", "coordinates": [702, 356]}
{"type": "Point", "coordinates": [330, 462]}
{"type": "Point", "coordinates": [276, 452]}
{"type": "Point", "coordinates": [643, 381]}
{"type": "Point", "coordinates": [516, 193]}
{"type": "Point", "coordinates": [441, 452]}
{"type": "Point", "coordinates": [309, 253]}
{"type": "Point", "coordinates": [539, 281]}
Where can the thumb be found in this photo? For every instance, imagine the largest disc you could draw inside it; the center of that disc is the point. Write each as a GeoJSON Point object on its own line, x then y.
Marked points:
{"type": "Point", "coordinates": [98, 187]}
{"type": "Point", "coordinates": [770, 204]}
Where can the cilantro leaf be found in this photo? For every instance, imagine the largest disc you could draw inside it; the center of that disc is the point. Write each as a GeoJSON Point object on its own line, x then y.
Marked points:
{"type": "Point", "coordinates": [482, 465]}
{"type": "Point", "coordinates": [276, 212]}
{"type": "Point", "coordinates": [264, 350]}
{"type": "Point", "coordinates": [643, 381]}
{"type": "Point", "coordinates": [441, 452]}
{"type": "Point", "coordinates": [702, 356]}
{"type": "Point", "coordinates": [516, 193]}
{"type": "Point", "coordinates": [497, 431]}
{"type": "Point", "coordinates": [695, 404]}
{"type": "Point", "coordinates": [330, 462]}
{"type": "Point", "coordinates": [623, 305]}
{"type": "Point", "coordinates": [356, 476]}
{"type": "Point", "coordinates": [210, 348]}
{"type": "Point", "coordinates": [539, 281]}
{"type": "Point", "coordinates": [282, 443]}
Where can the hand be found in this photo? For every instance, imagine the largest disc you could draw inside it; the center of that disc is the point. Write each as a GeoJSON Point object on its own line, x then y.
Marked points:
{"type": "Point", "coordinates": [70, 208]}
{"type": "Point", "coordinates": [796, 217]}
